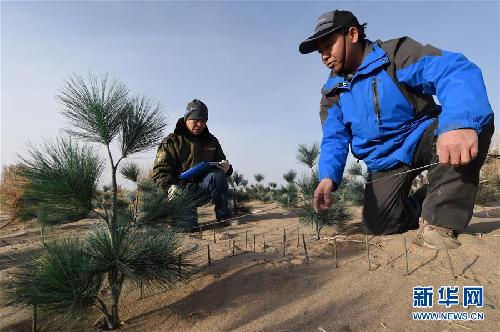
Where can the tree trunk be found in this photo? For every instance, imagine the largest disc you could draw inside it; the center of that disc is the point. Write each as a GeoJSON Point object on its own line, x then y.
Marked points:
{"type": "Point", "coordinates": [115, 283]}
{"type": "Point", "coordinates": [234, 200]}
{"type": "Point", "coordinates": [136, 205]}
{"type": "Point", "coordinates": [114, 206]}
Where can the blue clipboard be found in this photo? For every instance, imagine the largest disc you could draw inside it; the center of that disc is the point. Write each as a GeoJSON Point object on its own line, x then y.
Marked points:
{"type": "Point", "coordinates": [198, 170]}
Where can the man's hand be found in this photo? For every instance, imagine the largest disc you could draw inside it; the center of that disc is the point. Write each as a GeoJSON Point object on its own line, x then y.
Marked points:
{"type": "Point", "coordinates": [322, 199]}
{"type": "Point", "coordinates": [224, 165]}
{"type": "Point", "coordinates": [457, 147]}
{"type": "Point", "coordinates": [173, 191]}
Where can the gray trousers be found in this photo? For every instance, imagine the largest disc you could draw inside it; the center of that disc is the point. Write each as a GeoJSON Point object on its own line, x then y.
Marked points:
{"type": "Point", "coordinates": [448, 199]}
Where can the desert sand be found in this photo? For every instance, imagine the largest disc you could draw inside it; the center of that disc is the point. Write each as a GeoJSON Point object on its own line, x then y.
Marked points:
{"type": "Point", "coordinates": [263, 290]}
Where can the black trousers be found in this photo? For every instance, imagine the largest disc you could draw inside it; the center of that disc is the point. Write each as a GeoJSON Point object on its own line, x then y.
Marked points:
{"type": "Point", "coordinates": [448, 199]}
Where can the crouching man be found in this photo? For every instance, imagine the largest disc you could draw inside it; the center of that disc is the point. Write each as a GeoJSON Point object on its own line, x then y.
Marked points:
{"type": "Point", "coordinates": [190, 144]}
{"type": "Point", "coordinates": [378, 101]}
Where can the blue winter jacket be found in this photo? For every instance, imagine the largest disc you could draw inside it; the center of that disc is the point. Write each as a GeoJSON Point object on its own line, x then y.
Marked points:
{"type": "Point", "coordinates": [383, 109]}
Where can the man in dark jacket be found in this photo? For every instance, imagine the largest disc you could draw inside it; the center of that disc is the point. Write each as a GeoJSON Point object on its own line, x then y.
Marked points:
{"type": "Point", "coordinates": [190, 144]}
{"type": "Point", "coordinates": [378, 100]}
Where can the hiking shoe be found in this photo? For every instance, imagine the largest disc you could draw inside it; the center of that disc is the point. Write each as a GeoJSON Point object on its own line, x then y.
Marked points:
{"type": "Point", "coordinates": [435, 237]}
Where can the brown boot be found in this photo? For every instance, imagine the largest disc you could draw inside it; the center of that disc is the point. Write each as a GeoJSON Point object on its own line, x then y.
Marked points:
{"type": "Point", "coordinates": [435, 237]}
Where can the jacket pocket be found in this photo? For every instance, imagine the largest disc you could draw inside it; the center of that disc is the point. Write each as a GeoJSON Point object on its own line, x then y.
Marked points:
{"type": "Point", "coordinates": [376, 104]}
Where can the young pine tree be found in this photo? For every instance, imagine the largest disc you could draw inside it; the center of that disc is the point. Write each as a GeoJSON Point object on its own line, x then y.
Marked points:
{"type": "Point", "coordinates": [75, 275]}
{"type": "Point", "coordinates": [289, 193]}
{"type": "Point", "coordinates": [337, 213]}
{"type": "Point", "coordinates": [237, 183]}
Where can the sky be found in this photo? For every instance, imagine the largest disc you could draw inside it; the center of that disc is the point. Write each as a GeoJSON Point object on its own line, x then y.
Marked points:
{"type": "Point", "coordinates": [240, 58]}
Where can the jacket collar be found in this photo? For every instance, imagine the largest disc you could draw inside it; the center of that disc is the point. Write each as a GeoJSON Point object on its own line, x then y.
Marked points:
{"type": "Point", "coordinates": [374, 57]}
{"type": "Point", "coordinates": [181, 129]}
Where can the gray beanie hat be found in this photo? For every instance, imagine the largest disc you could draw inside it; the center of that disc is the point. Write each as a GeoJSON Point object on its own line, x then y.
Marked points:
{"type": "Point", "coordinates": [196, 110]}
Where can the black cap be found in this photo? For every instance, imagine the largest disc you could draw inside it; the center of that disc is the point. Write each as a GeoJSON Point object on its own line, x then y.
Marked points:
{"type": "Point", "coordinates": [196, 110]}
{"type": "Point", "coordinates": [327, 24]}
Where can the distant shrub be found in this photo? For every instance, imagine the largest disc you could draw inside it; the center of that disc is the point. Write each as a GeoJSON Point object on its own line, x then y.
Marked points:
{"type": "Point", "coordinates": [12, 189]}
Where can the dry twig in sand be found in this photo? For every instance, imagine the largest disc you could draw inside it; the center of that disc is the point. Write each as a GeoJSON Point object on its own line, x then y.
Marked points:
{"type": "Point", "coordinates": [305, 247]}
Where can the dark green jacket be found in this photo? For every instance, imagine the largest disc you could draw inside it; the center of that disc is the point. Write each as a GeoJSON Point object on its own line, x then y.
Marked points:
{"type": "Point", "coordinates": [181, 150]}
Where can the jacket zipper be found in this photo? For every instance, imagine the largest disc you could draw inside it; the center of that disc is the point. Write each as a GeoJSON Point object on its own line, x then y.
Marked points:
{"type": "Point", "coordinates": [375, 99]}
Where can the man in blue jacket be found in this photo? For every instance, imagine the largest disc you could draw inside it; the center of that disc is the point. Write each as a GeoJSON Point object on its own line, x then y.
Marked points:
{"type": "Point", "coordinates": [378, 99]}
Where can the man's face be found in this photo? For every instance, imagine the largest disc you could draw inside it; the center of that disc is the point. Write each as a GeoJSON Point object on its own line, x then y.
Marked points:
{"type": "Point", "coordinates": [196, 127]}
{"type": "Point", "coordinates": [332, 51]}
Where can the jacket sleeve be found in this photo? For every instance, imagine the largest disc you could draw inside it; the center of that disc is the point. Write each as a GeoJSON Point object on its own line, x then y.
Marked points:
{"type": "Point", "coordinates": [334, 146]}
{"type": "Point", "coordinates": [457, 83]}
{"type": "Point", "coordinates": [165, 165]}
{"type": "Point", "coordinates": [219, 156]}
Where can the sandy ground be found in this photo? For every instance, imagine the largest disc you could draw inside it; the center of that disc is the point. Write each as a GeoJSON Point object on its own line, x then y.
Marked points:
{"type": "Point", "coordinates": [264, 290]}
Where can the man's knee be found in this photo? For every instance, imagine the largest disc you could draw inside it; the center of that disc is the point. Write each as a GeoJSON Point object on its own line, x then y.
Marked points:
{"type": "Point", "coordinates": [215, 179]}
{"type": "Point", "coordinates": [380, 224]}
{"type": "Point", "coordinates": [218, 176]}
{"type": "Point", "coordinates": [378, 220]}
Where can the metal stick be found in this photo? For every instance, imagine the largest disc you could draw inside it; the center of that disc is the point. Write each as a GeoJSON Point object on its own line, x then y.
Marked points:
{"type": "Point", "coordinates": [179, 265]}
{"type": "Point", "coordinates": [367, 252]}
{"type": "Point", "coordinates": [246, 238]}
{"type": "Point", "coordinates": [142, 290]}
{"type": "Point", "coordinates": [34, 319]}
{"type": "Point", "coordinates": [284, 244]}
{"type": "Point", "coordinates": [208, 253]}
{"type": "Point", "coordinates": [264, 242]}
{"type": "Point", "coordinates": [335, 252]}
{"type": "Point", "coordinates": [449, 261]}
{"type": "Point", "coordinates": [234, 245]}
{"type": "Point", "coordinates": [406, 255]}
{"type": "Point", "coordinates": [401, 173]}
{"type": "Point", "coordinates": [254, 243]}
{"type": "Point", "coordinates": [305, 247]}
